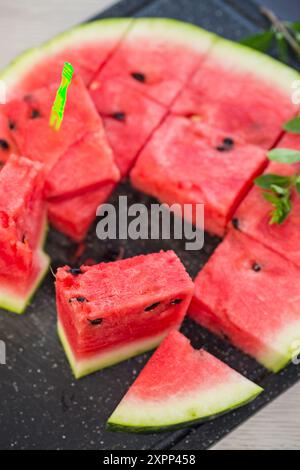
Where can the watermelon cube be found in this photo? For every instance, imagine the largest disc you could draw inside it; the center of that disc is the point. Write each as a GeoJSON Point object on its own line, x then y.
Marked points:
{"type": "Point", "coordinates": [250, 294]}
{"type": "Point", "coordinates": [112, 311]}
{"type": "Point", "coordinates": [241, 91]}
{"type": "Point", "coordinates": [73, 215]}
{"type": "Point", "coordinates": [188, 163]}
{"type": "Point", "coordinates": [157, 57]}
{"type": "Point", "coordinates": [179, 387]}
{"type": "Point", "coordinates": [253, 215]}
{"type": "Point", "coordinates": [22, 231]}
{"type": "Point", "coordinates": [129, 118]}
{"type": "Point", "coordinates": [78, 158]}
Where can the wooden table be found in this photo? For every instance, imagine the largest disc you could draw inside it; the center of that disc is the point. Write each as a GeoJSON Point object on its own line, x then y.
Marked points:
{"type": "Point", "coordinates": [24, 24]}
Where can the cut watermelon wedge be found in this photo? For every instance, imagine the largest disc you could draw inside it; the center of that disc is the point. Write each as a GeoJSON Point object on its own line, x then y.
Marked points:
{"type": "Point", "coordinates": [74, 215]}
{"type": "Point", "coordinates": [112, 311]}
{"type": "Point", "coordinates": [250, 294]}
{"type": "Point", "coordinates": [86, 47]}
{"type": "Point", "coordinates": [179, 387]}
{"type": "Point", "coordinates": [129, 119]}
{"type": "Point", "coordinates": [186, 162]}
{"type": "Point", "coordinates": [157, 57]}
{"type": "Point", "coordinates": [22, 232]}
{"type": "Point", "coordinates": [241, 91]}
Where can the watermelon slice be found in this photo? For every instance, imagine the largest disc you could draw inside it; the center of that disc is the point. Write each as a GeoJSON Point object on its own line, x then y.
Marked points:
{"type": "Point", "coordinates": [112, 311]}
{"type": "Point", "coordinates": [241, 91]}
{"type": "Point", "coordinates": [22, 231]}
{"type": "Point", "coordinates": [187, 162]}
{"type": "Point", "coordinates": [7, 145]}
{"type": "Point", "coordinates": [74, 215]}
{"type": "Point", "coordinates": [129, 119]}
{"type": "Point", "coordinates": [157, 57]}
{"type": "Point", "coordinates": [179, 387]}
{"type": "Point", "coordinates": [250, 294]}
{"type": "Point", "coordinates": [86, 47]}
{"type": "Point", "coordinates": [253, 215]}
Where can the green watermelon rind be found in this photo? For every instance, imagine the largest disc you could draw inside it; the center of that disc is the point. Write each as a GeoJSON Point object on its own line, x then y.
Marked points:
{"type": "Point", "coordinates": [13, 73]}
{"type": "Point", "coordinates": [108, 359]}
{"type": "Point", "coordinates": [118, 426]}
{"type": "Point", "coordinates": [15, 304]}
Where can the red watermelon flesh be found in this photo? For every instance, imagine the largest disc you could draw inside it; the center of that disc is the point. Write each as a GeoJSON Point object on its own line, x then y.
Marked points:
{"type": "Point", "coordinates": [179, 386]}
{"type": "Point", "coordinates": [157, 57]}
{"type": "Point", "coordinates": [28, 118]}
{"type": "Point", "coordinates": [188, 163]}
{"type": "Point", "coordinates": [129, 119]}
{"type": "Point", "coordinates": [22, 227]}
{"type": "Point", "coordinates": [242, 92]}
{"type": "Point", "coordinates": [90, 161]}
{"type": "Point", "coordinates": [74, 215]}
{"type": "Point", "coordinates": [253, 215]}
{"type": "Point", "coordinates": [7, 145]}
{"type": "Point", "coordinates": [250, 294]}
{"type": "Point", "coordinates": [87, 47]}
{"type": "Point", "coordinates": [111, 311]}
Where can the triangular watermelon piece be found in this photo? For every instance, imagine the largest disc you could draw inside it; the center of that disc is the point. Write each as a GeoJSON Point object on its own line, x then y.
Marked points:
{"type": "Point", "coordinates": [179, 387]}
{"type": "Point", "coordinates": [241, 91]}
{"type": "Point", "coordinates": [157, 57]}
{"type": "Point", "coordinates": [187, 162]}
{"type": "Point", "coordinates": [112, 311]}
{"type": "Point", "coordinates": [253, 215]}
{"type": "Point", "coordinates": [86, 47]}
{"type": "Point", "coordinates": [129, 118]}
{"type": "Point", "coordinates": [250, 294]}
{"type": "Point", "coordinates": [22, 232]}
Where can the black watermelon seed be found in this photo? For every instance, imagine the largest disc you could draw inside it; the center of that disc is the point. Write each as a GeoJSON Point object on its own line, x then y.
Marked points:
{"type": "Point", "coordinates": [140, 77]}
{"type": "Point", "coordinates": [176, 301]}
{"type": "Point", "coordinates": [75, 271]}
{"type": "Point", "coordinates": [119, 116]}
{"type": "Point", "coordinates": [35, 114]}
{"type": "Point", "coordinates": [4, 145]}
{"type": "Point", "coordinates": [11, 125]}
{"type": "Point", "coordinates": [152, 307]}
{"type": "Point", "coordinates": [236, 223]}
{"type": "Point", "coordinates": [228, 141]}
{"type": "Point", "coordinates": [97, 321]}
{"type": "Point", "coordinates": [256, 267]}
{"type": "Point", "coordinates": [78, 299]}
{"type": "Point", "coordinates": [24, 238]}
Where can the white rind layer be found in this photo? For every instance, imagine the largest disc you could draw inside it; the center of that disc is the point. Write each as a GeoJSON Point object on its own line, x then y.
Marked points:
{"type": "Point", "coordinates": [17, 304]}
{"type": "Point", "coordinates": [178, 409]}
{"type": "Point", "coordinates": [108, 358]}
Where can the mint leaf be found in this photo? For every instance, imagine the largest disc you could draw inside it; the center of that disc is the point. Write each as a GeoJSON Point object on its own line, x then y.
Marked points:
{"type": "Point", "coordinates": [268, 179]}
{"type": "Point", "coordinates": [282, 207]}
{"type": "Point", "coordinates": [297, 184]}
{"type": "Point", "coordinates": [260, 42]}
{"type": "Point", "coordinates": [293, 126]}
{"type": "Point", "coordinates": [282, 48]}
{"type": "Point", "coordinates": [282, 155]}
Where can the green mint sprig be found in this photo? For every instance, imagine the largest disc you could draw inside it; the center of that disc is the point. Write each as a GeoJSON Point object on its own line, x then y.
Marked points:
{"type": "Point", "coordinates": [278, 189]}
{"type": "Point", "coordinates": [284, 35]}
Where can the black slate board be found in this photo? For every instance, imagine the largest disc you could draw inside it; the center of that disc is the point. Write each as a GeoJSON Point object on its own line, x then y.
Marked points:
{"type": "Point", "coordinates": [41, 405]}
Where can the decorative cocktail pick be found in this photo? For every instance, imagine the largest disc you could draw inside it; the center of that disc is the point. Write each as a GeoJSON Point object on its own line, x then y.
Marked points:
{"type": "Point", "coordinates": [58, 108]}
